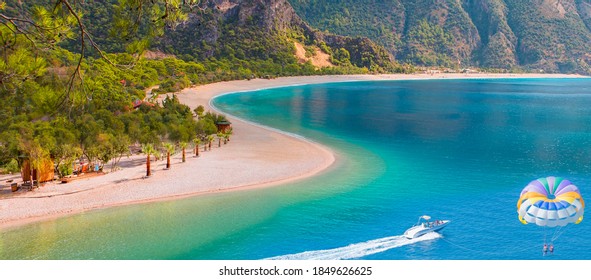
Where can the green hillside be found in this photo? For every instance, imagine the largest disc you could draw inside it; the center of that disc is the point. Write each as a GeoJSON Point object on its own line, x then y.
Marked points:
{"type": "Point", "coordinates": [532, 35]}
{"type": "Point", "coordinates": [382, 21]}
{"type": "Point", "coordinates": [245, 35]}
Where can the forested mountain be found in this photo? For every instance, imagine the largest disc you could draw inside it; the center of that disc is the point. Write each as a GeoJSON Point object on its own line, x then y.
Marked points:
{"type": "Point", "coordinates": [248, 33]}
{"type": "Point", "coordinates": [549, 35]}
{"type": "Point", "coordinates": [265, 29]}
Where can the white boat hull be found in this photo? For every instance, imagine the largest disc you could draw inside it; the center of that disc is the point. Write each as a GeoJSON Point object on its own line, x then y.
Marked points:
{"type": "Point", "coordinates": [424, 228]}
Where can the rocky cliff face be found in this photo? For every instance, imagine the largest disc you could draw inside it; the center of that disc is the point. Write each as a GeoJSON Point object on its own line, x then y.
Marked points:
{"type": "Point", "coordinates": [264, 28]}
{"type": "Point", "coordinates": [498, 41]}
{"type": "Point", "coordinates": [551, 35]}
{"type": "Point", "coordinates": [584, 8]}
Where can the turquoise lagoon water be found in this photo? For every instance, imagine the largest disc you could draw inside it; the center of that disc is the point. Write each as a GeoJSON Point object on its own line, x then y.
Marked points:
{"type": "Point", "coordinates": [454, 149]}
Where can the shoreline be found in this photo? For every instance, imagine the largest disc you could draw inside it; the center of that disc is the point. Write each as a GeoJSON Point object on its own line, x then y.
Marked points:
{"type": "Point", "coordinates": [254, 158]}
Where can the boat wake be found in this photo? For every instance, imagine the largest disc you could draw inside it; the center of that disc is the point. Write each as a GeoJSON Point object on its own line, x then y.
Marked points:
{"type": "Point", "coordinates": [358, 250]}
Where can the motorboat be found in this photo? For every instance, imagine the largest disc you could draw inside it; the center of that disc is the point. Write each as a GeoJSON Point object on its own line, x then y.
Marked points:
{"type": "Point", "coordinates": [425, 225]}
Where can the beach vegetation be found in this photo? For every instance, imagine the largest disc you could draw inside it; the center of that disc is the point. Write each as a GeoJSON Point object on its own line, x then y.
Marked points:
{"type": "Point", "coordinates": [199, 111]}
{"type": "Point", "coordinates": [148, 149]}
{"type": "Point", "coordinates": [220, 136]}
{"type": "Point", "coordinates": [65, 158]}
{"type": "Point", "coordinates": [65, 170]}
{"type": "Point", "coordinates": [11, 167]}
{"type": "Point", "coordinates": [210, 139]}
{"type": "Point", "coordinates": [183, 146]}
{"type": "Point", "coordinates": [229, 132]}
{"type": "Point", "coordinates": [170, 149]}
{"type": "Point", "coordinates": [197, 142]}
{"type": "Point", "coordinates": [226, 137]}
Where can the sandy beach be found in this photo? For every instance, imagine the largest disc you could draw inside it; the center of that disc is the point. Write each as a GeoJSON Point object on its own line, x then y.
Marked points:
{"type": "Point", "coordinates": [255, 157]}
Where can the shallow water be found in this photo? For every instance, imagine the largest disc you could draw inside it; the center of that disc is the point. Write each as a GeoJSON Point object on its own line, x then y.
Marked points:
{"type": "Point", "coordinates": [454, 149]}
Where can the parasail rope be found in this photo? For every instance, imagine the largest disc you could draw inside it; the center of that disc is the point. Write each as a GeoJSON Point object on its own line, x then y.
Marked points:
{"type": "Point", "coordinates": [558, 233]}
{"type": "Point", "coordinates": [545, 234]}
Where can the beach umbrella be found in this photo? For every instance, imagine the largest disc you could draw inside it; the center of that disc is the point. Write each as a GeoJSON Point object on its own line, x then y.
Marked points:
{"type": "Point", "coordinates": [550, 202]}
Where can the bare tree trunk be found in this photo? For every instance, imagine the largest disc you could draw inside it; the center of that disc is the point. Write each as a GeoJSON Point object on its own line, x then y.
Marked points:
{"type": "Point", "coordinates": [167, 160]}
{"type": "Point", "coordinates": [148, 172]}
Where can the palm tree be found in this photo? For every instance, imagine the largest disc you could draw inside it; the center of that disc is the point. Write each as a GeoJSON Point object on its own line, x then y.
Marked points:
{"type": "Point", "coordinates": [220, 135]}
{"type": "Point", "coordinates": [210, 139]}
{"type": "Point", "coordinates": [183, 145]}
{"type": "Point", "coordinates": [226, 137]}
{"type": "Point", "coordinates": [229, 132]}
{"type": "Point", "coordinates": [148, 149]}
{"type": "Point", "coordinates": [197, 141]}
{"type": "Point", "coordinates": [169, 150]}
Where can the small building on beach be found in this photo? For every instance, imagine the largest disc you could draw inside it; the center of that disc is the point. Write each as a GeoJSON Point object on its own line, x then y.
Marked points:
{"type": "Point", "coordinates": [44, 173]}
{"type": "Point", "coordinates": [223, 126]}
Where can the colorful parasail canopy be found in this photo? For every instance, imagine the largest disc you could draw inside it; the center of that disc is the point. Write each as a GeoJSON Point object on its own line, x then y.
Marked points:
{"type": "Point", "coordinates": [550, 202]}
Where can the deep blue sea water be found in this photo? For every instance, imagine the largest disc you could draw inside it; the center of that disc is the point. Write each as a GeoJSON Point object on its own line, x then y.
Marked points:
{"type": "Point", "coordinates": [454, 149]}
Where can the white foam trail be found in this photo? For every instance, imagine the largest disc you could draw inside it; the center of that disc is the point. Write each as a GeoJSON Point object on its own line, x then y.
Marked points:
{"type": "Point", "coordinates": [358, 250]}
